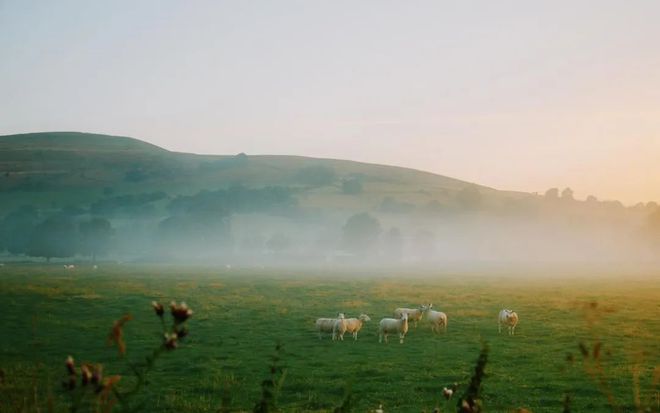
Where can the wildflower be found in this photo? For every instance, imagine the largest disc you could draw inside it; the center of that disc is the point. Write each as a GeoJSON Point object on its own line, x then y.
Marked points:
{"type": "Point", "coordinates": [86, 373]}
{"type": "Point", "coordinates": [71, 366]}
{"type": "Point", "coordinates": [116, 335]}
{"type": "Point", "coordinates": [171, 341]}
{"type": "Point", "coordinates": [180, 312]}
{"type": "Point", "coordinates": [158, 308]}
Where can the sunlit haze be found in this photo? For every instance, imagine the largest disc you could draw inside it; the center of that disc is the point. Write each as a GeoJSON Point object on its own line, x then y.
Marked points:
{"type": "Point", "coordinates": [514, 95]}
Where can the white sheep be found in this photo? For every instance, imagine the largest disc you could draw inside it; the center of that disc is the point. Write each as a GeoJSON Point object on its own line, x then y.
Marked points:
{"type": "Point", "coordinates": [393, 325]}
{"type": "Point", "coordinates": [437, 319]}
{"type": "Point", "coordinates": [69, 267]}
{"type": "Point", "coordinates": [354, 325]}
{"type": "Point", "coordinates": [326, 325]}
{"type": "Point", "coordinates": [414, 314]}
{"type": "Point", "coordinates": [509, 319]}
{"type": "Point", "coordinates": [339, 328]}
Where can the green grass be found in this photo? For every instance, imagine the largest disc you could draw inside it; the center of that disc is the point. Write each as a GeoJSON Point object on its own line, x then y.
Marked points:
{"type": "Point", "coordinates": [240, 315]}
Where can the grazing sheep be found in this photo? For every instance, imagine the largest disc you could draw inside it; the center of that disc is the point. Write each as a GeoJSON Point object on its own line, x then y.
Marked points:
{"type": "Point", "coordinates": [69, 267]}
{"type": "Point", "coordinates": [327, 325]}
{"type": "Point", "coordinates": [339, 328]}
{"type": "Point", "coordinates": [95, 267]}
{"type": "Point", "coordinates": [414, 314]}
{"type": "Point", "coordinates": [509, 319]}
{"type": "Point", "coordinates": [354, 325]}
{"type": "Point", "coordinates": [393, 325]}
{"type": "Point", "coordinates": [437, 319]}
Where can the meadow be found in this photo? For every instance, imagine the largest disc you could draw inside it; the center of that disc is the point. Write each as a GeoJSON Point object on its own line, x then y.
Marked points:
{"type": "Point", "coordinates": [240, 315]}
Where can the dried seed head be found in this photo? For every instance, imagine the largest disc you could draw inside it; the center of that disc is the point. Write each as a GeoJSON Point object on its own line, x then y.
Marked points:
{"type": "Point", "coordinates": [86, 373]}
{"type": "Point", "coordinates": [170, 341]}
{"type": "Point", "coordinates": [180, 312]}
{"type": "Point", "coordinates": [70, 366]}
{"type": "Point", "coordinates": [158, 308]}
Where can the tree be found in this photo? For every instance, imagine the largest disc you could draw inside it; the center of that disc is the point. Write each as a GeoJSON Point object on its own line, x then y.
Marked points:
{"type": "Point", "coordinates": [16, 229]}
{"type": "Point", "coordinates": [360, 233]}
{"type": "Point", "coordinates": [95, 236]}
{"type": "Point", "coordinates": [55, 237]}
{"type": "Point", "coordinates": [552, 194]}
{"type": "Point", "coordinates": [567, 194]}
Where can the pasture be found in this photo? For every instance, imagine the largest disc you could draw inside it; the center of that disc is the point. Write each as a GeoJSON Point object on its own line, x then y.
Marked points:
{"type": "Point", "coordinates": [240, 315]}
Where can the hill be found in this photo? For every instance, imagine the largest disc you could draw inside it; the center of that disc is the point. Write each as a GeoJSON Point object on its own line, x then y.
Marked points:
{"type": "Point", "coordinates": [72, 167]}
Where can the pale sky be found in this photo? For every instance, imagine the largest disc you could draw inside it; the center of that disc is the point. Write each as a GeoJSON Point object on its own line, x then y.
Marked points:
{"type": "Point", "coordinates": [519, 95]}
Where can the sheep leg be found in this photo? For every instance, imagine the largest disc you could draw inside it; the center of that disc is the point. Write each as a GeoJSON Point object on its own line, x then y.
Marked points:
{"type": "Point", "coordinates": [401, 338]}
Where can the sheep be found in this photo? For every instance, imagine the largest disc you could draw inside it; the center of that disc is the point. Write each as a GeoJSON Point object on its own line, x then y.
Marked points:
{"type": "Point", "coordinates": [69, 267]}
{"type": "Point", "coordinates": [414, 314]}
{"type": "Point", "coordinates": [437, 319]}
{"type": "Point", "coordinates": [95, 267]}
{"type": "Point", "coordinates": [393, 325]}
{"type": "Point", "coordinates": [326, 325]}
{"type": "Point", "coordinates": [509, 319]}
{"type": "Point", "coordinates": [339, 328]}
{"type": "Point", "coordinates": [354, 325]}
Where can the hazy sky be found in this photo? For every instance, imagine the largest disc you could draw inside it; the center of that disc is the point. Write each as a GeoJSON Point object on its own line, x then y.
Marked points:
{"type": "Point", "coordinates": [520, 95]}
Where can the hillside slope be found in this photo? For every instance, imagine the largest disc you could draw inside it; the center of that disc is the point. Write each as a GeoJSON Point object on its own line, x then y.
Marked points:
{"type": "Point", "coordinates": [63, 168]}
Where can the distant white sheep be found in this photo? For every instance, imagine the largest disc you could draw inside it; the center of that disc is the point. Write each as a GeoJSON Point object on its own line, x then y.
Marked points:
{"type": "Point", "coordinates": [437, 319]}
{"type": "Point", "coordinates": [69, 267]}
{"type": "Point", "coordinates": [509, 319]}
{"type": "Point", "coordinates": [354, 325]}
{"type": "Point", "coordinates": [393, 326]}
{"type": "Point", "coordinates": [327, 325]}
{"type": "Point", "coordinates": [414, 314]}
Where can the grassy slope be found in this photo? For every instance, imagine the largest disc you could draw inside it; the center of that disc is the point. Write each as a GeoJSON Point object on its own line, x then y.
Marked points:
{"type": "Point", "coordinates": [239, 316]}
{"type": "Point", "coordinates": [64, 168]}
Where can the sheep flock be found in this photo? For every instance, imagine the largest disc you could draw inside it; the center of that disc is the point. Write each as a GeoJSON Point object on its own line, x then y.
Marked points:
{"type": "Point", "coordinates": [399, 324]}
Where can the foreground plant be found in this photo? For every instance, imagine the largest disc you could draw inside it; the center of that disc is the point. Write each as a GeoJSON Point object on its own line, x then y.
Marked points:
{"type": "Point", "coordinates": [87, 387]}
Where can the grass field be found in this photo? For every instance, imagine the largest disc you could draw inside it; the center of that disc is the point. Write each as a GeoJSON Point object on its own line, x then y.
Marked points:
{"type": "Point", "coordinates": [49, 313]}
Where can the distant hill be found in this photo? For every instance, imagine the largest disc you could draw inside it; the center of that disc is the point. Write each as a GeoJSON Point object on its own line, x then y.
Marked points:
{"type": "Point", "coordinates": [71, 167]}
{"type": "Point", "coordinates": [74, 141]}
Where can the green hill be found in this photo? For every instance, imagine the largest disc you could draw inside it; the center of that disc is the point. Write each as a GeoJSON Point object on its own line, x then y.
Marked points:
{"type": "Point", "coordinates": [62, 168]}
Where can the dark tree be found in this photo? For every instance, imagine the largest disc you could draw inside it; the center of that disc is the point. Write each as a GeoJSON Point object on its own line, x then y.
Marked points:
{"type": "Point", "coordinates": [360, 233]}
{"type": "Point", "coordinates": [552, 194]}
{"type": "Point", "coordinates": [55, 237]}
{"type": "Point", "coordinates": [567, 194]}
{"type": "Point", "coordinates": [16, 229]}
{"type": "Point", "coordinates": [95, 236]}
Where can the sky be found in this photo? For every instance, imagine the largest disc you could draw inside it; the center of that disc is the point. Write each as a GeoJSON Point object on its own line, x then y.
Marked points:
{"type": "Point", "coordinates": [515, 95]}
